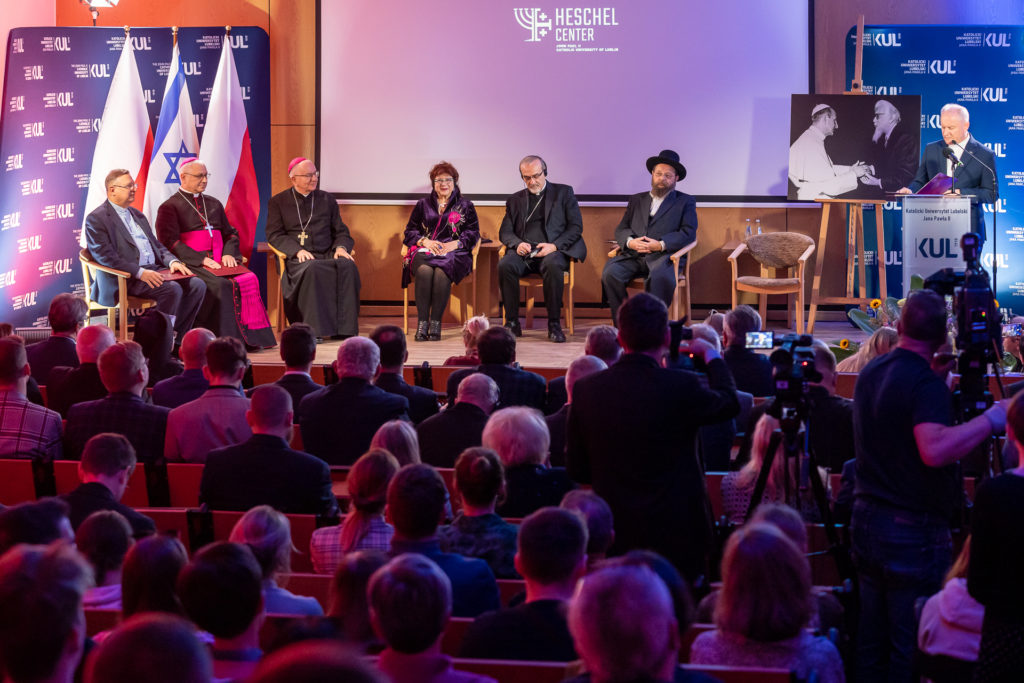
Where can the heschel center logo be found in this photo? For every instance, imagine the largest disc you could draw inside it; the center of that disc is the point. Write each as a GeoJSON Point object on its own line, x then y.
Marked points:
{"type": "Point", "coordinates": [534, 21]}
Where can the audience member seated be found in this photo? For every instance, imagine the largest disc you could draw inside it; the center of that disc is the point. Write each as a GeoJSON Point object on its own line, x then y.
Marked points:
{"type": "Point", "coordinates": [516, 387]}
{"type": "Point", "coordinates": [269, 535]}
{"type": "Point", "coordinates": [39, 522]}
{"type": "Point", "coordinates": [222, 593]}
{"type": "Point", "coordinates": [597, 515]}
{"type": "Point", "coordinates": [124, 373]}
{"type": "Point", "coordinates": [716, 440]}
{"type": "Point", "coordinates": [218, 417]}
{"type": "Point", "coordinates": [678, 589]}
{"type": "Point", "coordinates": [410, 604]}
{"type": "Point", "coordinates": [192, 382]}
{"type": "Point", "coordinates": [390, 339]}
{"type": "Point", "coordinates": [476, 530]}
{"type": "Point", "coordinates": [42, 627]}
{"type": "Point", "coordinates": [69, 385]}
{"type": "Point", "coordinates": [738, 487]}
{"type": "Point", "coordinates": [317, 661]}
{"type": "Point", "coordinates": [398, 437]}
{"type": "Point", "coordinates": [106, 466]}
{"type": "Point", "coordinates": [716, 321]}
{"type": "Point", "coordinates": [460, 426]}
{"type": "Point", "coordinates": [156, 648]}
{"type": "Point", "coordinates": [154, 332]}
{"type": "Point", "coordinates": [349, 606]}
{"type": "Point", "coordinates": [951, 620]}
{"type": "Point", "coordinates": [829, 417]}
{"type": "Point", "coordinates": [363, 528]}
{"type": "Point", "coordinates": [66, 317]}
{"type": "Point", "coordinates": [298, 351]}
{"type": "Point", "coordinates": [339, 421]}
{"type": "Point", "coordinates": [264, 470]}
{"type": "Point", "coordinates": [624, 627]}
{"type": "Point", "coordinates": [149, 576]}
{"type": "Point", "coordinates": [104, 539]}
{"type": "Point", "coordinates": [580, 367]}
{"type": "Point", "coordinates": [520, 438]}
{"type": "Point", "coordinates": [471, 331]}
{"type": "Point", "coordinates": [415, 502]}
{"type": "Point", "coordinates": [27, 430]}
{"type": "Point", "coordinates": [32, 387]}
{"type": "Point", "coordinates": [602, 342]}
{"type": "Point", "coordinates": [751, 370]}
{"type": "Point", "coordinates": [551, 557]}
{"type": "Point", "coordinates": [879, 343]}
{"type": "Point", "coordinates": [764, 609]}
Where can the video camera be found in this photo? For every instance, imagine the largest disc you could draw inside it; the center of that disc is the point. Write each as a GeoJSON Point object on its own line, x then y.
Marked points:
{"type": "Point", "coordinates": [793, 368]}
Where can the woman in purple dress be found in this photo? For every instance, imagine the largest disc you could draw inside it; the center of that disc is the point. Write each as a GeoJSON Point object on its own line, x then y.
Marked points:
{"type": "Point", "coordinates": [440, 235]}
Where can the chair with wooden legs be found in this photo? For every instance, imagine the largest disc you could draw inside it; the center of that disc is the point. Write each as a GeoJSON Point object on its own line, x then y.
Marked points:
{"type": "Point", "coordinates": [774, 251]}
{"type": "Point", "coordinates": [118, 313]}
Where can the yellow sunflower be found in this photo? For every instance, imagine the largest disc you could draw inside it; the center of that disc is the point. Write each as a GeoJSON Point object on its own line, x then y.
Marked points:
{"type": "Point", "coordinates": [844, 344]}
{"type": "Point", "coordinates": [876, 303]}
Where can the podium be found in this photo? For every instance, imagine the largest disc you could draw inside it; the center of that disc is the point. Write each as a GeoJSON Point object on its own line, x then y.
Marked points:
{"type": "Point", "coordinates": [932, 227]}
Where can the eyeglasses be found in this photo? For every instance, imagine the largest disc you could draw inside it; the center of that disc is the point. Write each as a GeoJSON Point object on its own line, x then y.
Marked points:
{"type": "Point", "coordinates": [201, 176]}
{"type": "Point", "coordinates": [535, 176]}
{"type": "Point", "coordinates": [307, 176]}
{"type": "Point", "coordinates": [132, 186]}
{"type": "Point", "coordinates": [444, 181]}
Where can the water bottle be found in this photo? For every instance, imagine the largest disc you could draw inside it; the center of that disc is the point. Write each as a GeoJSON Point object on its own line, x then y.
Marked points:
{"type": "Point", "coordinates": [758, 226]}
{"type": "Point", "coordinates": [748, 227]}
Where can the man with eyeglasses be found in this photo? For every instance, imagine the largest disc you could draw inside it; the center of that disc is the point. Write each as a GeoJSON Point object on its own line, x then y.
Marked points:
{"type": "Point", "coordinates": [119, 236]}
{"type": "Point", "coordinates": [194, 226]}
{"type": "Point", "coordinates": [656, 224]}
{"type": "Point", "coordinates": [320, 284]}
{"type": "Point", "coordinates": [542, 230]}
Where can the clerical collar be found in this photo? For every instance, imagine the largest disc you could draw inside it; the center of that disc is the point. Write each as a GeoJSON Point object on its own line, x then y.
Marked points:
{"type": "Point", "coordinates": [540, 191]}
{"type": "Point", "coordinates": [300, 194]}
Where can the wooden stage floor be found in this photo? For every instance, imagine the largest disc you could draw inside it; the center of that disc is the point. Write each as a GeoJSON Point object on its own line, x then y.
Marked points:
{"type": "Point", "coordinates": [533, 350]}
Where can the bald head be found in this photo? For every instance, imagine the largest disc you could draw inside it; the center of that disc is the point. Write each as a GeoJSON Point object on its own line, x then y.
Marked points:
{"type": "Point", "coordinates": [581, 367]}
{"type": "Point", "coordinates": [92, 341]}
{"type": "Point", "coordinates": [193, 347]}
{"type": "Point", "coordinates": [480, 390]}
{"type": "Point", "coordinates": [358, 357]}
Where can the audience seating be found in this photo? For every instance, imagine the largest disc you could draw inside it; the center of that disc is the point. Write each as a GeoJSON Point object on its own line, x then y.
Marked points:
{"type": "Point", "coordinates": [170, 521]}
{"type": "Point", "coordinates": [311, 585]}
{"type": "Point", "coordinates": [207, 526]}
{"type": "Point", "coordinates": [510, 588]}
{"type": "Point", "coordinates": [65, 474]}
{"type": "Point", "coordinates": [183, 480]}
{"type": "Point", "coordinates": [512, 671]}
{"type": "Point", "coordinates": [17, 481]}
{"type": "Point", "coordinates": [454, 633]}
{"type": "Point", "coordinates": [99, 619]}
{"type": "Point", "coordinates": [747, 674]}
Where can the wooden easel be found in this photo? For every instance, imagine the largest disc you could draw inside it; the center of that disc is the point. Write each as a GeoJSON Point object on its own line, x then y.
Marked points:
{"type": "Point", "coordinates": [854, 225]}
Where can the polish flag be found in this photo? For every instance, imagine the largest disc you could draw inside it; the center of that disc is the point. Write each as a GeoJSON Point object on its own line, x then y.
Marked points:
{"type": "Point", "coordinates": [175, 139]}
{"type": "Point", "coordinates": [125, 139]}
{"type": "Point", "coordinates": [227, 154]}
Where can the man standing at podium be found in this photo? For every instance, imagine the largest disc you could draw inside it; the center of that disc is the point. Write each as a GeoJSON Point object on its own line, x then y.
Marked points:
{"type": "Point", "coordinates": [971, 166]}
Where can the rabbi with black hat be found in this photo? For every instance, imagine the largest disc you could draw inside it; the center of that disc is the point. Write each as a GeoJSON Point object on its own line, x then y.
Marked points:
{"type": "Point", "coordinates": [656, 224]}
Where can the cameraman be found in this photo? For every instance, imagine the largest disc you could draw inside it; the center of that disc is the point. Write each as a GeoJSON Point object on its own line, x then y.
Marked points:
{"type": "Point", "coordinates": [1011, 345]}
{"type": "Point", "coordinates": [907, 486]}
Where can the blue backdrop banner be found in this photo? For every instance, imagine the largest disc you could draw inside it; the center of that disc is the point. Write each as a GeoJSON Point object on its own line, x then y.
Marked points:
{"type": "Point", "coordinates": [55, 88]}
{"type": "Point", "coordinates": [981, 68]}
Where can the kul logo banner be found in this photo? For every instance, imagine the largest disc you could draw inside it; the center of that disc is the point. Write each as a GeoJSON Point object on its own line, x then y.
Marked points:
{"type": "Point", "coordinates": [981, 68]}
{"type": "Point", "coordinates": [55, 90]}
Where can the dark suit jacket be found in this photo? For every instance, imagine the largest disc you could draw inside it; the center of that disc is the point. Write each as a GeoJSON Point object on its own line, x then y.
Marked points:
{"type": "Point", "coordinates": [675, 223]}
{"type": "Point", "coordinates": [93, 497]}
{"type": "Point", "coordinates": [50, 353]}
{"type": "Point", "coordinates": [338, 422]}
{"type": "Point", "coordinates": [264, 471]}
{"type": "Point", "coordinates": [298, 385]}
{"type": "Point", "coordinates": [751, 370]}
{"type": "Point", "coordinates": [895, 160]}
{"type": "Point", "coordinates": [112, 245]}
{"type": "Point", "coordinates": [557, 395]}
{"type": "Point", "coordinates": [632, 435]}
{"type": "Point", "coordinates": [474, 590]}
{"type": "Point", "coordinates": [179, 390]}
{"type": "Point", "coordinates": [144, 425]}
{"type": "Point", "coordinates": [563, 221]}
{"type": "Point", "coordinates": [69, 386]}
{"type": "Point", "coordinates": [556, 428]}
{"type": "Point", "coordinates": [444, 436]}
{"type": "Point", "coordinates": [971, 178]}
{"type": "Point", "coordinates": [517, 387]}
{"type": "Point", "coordinates": [528, 488]}
{"type": "Point", "coordinates": [422, 401]}
{"type": "Point", "coordinates": [535, 631]}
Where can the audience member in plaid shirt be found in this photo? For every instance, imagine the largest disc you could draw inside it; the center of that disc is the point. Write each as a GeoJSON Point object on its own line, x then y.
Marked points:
{"type": "Point", "coordinates": [363, 528]}
{"type": "Point", "coordinates": [26, 430]}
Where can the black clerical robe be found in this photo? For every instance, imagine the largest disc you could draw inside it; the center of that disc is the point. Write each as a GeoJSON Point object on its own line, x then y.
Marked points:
{"type": "Point", "coordinates": [324, 292]}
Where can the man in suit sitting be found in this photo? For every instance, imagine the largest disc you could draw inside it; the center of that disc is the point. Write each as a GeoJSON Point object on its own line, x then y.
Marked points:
{"type": "Point", "coordinates": [497, 347]}
{"type": "Point", "coordinates": [298, 349]}
{"type": "Point", "coordinates": [263, 470]}
{"type": "Point", "coordinates": [656, 224]}
{"type": "Point", "coordinates": [390, 339]}
{"type": "Point", "coordinates": [119, 236]}
{"type": "Point", "coordinates": [125, 373]}
{"type": "Point", "coordinates": [339, 421]}
{"type": "Point", "coordinates": [444, 436]}
{"type": "Point", "coordinates": [415, 502]}
{"type": "Point", "coordinates": [106, 467]}
{"type": "Point", "coordinates": [192, 383]}
{"type": "Point", "coordinates": [66, 315]}
{"type": "Point", "coordinates": [972, 168]}
{"type": "Point", "coordinates": [602, 341]}
{"type": "Point", "coordinates": [70, 385]}
{"type": "Point", "coordinates": [751, 370]}
{"type": "Point", "coordinates": [578, 369]}
{"type": "Point", "coordinates": [632, 435]}
{"type": "Point", "coordinates": [542, 230]}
